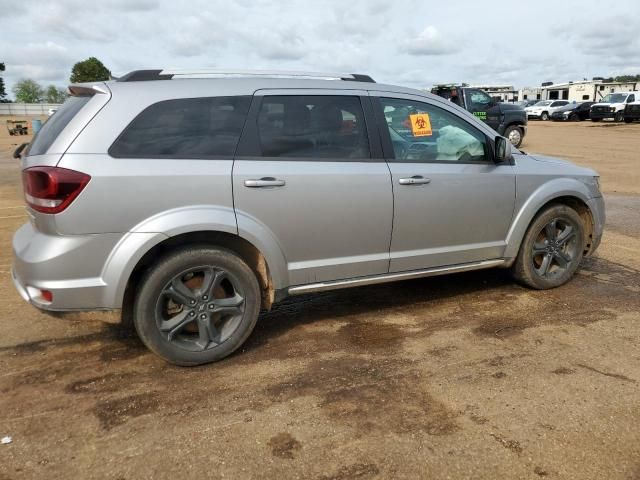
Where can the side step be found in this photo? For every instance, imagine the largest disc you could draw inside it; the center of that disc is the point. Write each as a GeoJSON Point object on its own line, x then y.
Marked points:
{"type": "Point", "coordinates": [392, 277]}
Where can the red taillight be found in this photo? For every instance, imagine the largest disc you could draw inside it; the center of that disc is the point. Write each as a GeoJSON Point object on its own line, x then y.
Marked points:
{"type": "Point", "coordinates": [52, 189]}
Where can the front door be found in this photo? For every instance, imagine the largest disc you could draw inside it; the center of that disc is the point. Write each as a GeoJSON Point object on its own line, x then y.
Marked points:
{"type": "Point", "coordinates": [452, 203]}
{"type": "Point", "coordinates": [310, 174]}
{"type": "Point", "coordinates": [483, 107]}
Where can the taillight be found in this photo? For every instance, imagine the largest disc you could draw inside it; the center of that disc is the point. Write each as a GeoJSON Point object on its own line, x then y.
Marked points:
{"type": "Point", "coordinates": [52, 189]}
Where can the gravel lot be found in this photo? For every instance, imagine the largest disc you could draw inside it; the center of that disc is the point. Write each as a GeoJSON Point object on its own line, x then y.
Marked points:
{"type": "Point", "coordinates": [465, 376]}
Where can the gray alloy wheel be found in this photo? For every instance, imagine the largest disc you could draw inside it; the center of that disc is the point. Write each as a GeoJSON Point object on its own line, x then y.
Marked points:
{"type": "Point", "coordinates": [555, 248]}
{"type": "Point", "coordinates": [514, 135]}
{"type": "Point", "coordinates": [544, 116]}
{"type": "Point", "coordinates": [200, 308]}
{"type": "Point", "coordinates": [197, 305]}
{"type": "Point", "coordinates": [552, 248]}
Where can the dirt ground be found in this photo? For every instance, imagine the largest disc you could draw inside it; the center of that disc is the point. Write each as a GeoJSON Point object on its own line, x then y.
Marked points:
{"type": "Point", "coordinates": [465, 376]}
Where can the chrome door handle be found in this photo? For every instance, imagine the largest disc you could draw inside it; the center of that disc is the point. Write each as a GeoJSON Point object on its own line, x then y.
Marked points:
{"type": "Point", "coordinates": [264, 182]}
{"type": "Point", "coordinates": [415, 180]}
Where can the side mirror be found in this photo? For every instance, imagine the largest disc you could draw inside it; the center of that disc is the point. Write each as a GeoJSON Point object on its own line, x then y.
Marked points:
{"type": "Point", "coordinates": [17, 153]}
{"type": "Point", "coordinates": [501, 149]}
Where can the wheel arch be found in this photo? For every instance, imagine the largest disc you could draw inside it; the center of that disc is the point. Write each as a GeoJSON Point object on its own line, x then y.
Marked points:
{"type": "Point", "coordinates": [531, 210]}
{"type": "Point", "coordinates": [246, 250]}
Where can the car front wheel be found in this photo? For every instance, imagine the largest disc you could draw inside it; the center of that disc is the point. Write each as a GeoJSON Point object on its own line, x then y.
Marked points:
{"type": "Point", "coordinates": [197, 305]}
{"type": "Point", "coordinates": [544, 116]}
{"type": "Point", "coordinates": [619, 117]}
{"type": "Point", "coordinates": [551, 250]}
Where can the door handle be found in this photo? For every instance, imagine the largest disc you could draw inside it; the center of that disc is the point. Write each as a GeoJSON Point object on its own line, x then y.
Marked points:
{"type": "Point", "coordinates": [264, 182]}
{"type": "Point", "coordinates": [415, 180]}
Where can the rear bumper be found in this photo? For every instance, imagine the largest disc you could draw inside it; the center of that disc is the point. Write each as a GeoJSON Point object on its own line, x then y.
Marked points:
{"type": "Point", "coordinates": [70, 267]}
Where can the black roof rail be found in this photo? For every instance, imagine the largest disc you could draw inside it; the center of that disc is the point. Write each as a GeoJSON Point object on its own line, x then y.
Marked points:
{"type": "Point", "coordinates": [359, 77]}
{"type": "Point", "coordinates": [143, 76]}
{"type": "Point", "coordinates": [148, 75]}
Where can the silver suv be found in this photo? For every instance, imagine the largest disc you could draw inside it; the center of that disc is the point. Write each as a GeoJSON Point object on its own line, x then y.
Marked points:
{"type": "Point", "coordinates": [194, 200]}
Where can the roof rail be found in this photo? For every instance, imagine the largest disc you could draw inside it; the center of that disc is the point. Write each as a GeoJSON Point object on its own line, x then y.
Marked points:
{"type": "Point", "coordinates": [168, 74]}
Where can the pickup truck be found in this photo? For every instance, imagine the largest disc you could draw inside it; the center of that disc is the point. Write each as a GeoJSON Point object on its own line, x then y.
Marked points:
{"type": "Point", "coordinates": [613, 106]}
{"type": "Point", "coordinates": [508, 120]}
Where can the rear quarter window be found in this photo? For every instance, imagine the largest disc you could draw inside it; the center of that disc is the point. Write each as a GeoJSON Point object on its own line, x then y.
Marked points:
{"type": "Point", "coordinates": [185, 128]}
{"type": "Point", "coordinates": [55, 124]}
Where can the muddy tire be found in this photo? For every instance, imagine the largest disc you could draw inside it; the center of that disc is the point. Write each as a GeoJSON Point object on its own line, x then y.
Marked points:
{"type": "Point", "coordinates": [197, 305]}
{"type": "Point", "coordinates": [551, 250]}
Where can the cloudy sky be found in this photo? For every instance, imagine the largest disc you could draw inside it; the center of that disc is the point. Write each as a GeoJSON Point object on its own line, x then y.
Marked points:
{"type": "Point", "coordinates": [413, 43]}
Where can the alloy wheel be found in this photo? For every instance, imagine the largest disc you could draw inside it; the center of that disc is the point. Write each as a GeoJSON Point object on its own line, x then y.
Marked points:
{"type": "Point", "coordinates": [200, 308]}
{"type": "Point", "coordinates": [555, 248]}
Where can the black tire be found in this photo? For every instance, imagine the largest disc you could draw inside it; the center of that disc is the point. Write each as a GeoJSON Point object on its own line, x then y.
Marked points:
{"type": "Point", "coordinates": [227, 325]}
{"type": "Point", "coordinates": [628, 120]}
{"type": "Point", "coordinates": [544, 116]}
{"type": "Point", "coordinates": [548, 261]}
{"type": "Point", "coordinates": [596, 119]}
{"type": "Point", "coordinates": [619, 117]}
{"type": "Point", "coordinates": [515, 135]}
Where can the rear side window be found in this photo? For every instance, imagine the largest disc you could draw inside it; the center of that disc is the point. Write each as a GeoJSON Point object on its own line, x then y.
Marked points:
{"type": "Point", "coordinates": [185, 128]}
{"type": "Point", "coordinates": [313, 126]}
{"type": "Point", "coordinates": [55, 124]}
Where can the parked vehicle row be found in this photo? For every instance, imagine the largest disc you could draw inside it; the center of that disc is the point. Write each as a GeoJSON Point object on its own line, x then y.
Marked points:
{"type": "Point", "coordinates": [624, 106]}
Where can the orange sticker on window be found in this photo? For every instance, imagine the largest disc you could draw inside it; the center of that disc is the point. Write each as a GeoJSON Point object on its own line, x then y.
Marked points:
{"type": "Point", "coordinates": [420, 125]}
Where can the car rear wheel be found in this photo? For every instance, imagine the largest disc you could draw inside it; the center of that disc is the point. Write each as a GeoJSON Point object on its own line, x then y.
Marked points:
{"type": "Point", "coordinates": [197, 305]}
{"type": "Point", "coordinates": [628, 120]}
{"type": "Point", "coordinates": [544, 116]}
{"type": "Point", "coordinates": [514, 135]}
{"type": "Point", "coordinates": [551, 250]}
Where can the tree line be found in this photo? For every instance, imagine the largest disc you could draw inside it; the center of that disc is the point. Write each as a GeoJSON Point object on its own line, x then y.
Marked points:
{"type": "Point", "coordinates": [30, 91]}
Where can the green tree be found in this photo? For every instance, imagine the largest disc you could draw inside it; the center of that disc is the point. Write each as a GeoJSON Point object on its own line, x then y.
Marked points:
{"type": "Point", "coordinates": [3, 93]}
{"type": "Point", "coordinates": [627, 78]}
{"type": "Point", "coordinates": [28, 91]}
{"type": "Point", "coordinates": [89, 70]}
{"type": "Point", "coordinates": [55, 94]}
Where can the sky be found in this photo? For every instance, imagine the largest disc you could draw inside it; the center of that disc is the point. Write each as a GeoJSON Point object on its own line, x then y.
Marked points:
{"type": "Point", "coordinates": [403, 42]}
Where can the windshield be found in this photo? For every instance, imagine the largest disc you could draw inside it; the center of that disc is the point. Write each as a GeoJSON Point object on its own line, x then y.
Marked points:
{"type": "Point", "coordinates": [55, 124]}
{"type": "Point", "coordinates": [614, 98]}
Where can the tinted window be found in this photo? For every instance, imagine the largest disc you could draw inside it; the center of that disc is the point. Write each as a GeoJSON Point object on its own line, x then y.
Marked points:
{"type": "Point", "coordinates": [424, 133]}
{"type": "Point", "coordinates": [185, 128]}
{"type": "Point", "coordinates": [321, 126]}
{"type": "Point", "coordinates": [632, 98]}
{"type": "Point", "coordinates": [55, 124]}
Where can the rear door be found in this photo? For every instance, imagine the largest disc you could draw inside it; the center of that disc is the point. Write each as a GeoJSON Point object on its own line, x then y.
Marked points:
{"type": "Point", "coordinates": [309, 173]}
{"type": "Point", "coordinates": [452, 203]}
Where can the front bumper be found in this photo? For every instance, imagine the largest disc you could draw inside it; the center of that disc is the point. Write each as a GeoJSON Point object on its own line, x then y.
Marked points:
{"type": "Point", "coordinates": [70, 267]}
{"type": "Point", "coordinates": [598, 114]}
